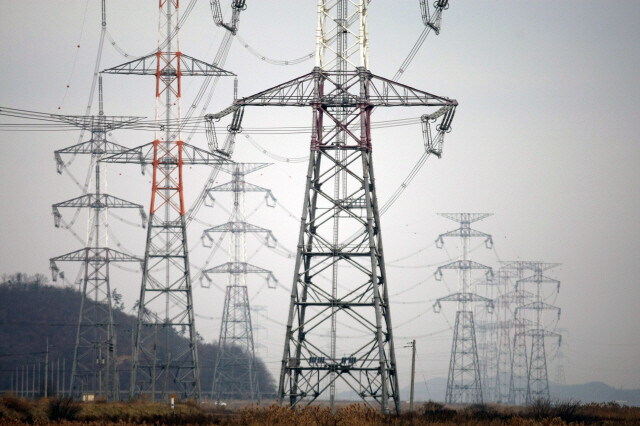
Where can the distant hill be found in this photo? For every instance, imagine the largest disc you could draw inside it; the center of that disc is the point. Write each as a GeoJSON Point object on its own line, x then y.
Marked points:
{"type": "Point", "coordinates": [32, 311]}
{"type": "Point", "coordinates": [435, 390]}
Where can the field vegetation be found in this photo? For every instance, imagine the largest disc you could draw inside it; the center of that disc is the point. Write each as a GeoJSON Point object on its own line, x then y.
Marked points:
{"type": "Point", "coordinates": [19, 411]}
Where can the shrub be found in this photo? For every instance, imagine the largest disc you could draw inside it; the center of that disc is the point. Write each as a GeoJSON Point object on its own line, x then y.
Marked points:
{"type": "Point", "coordinates": [62, 409]}
{"type": "Point", "coordinates": [12, 402]}
{"type": "Point", "coordinates": [434, 411]}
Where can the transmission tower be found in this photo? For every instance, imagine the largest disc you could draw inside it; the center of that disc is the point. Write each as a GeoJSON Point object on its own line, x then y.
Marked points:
{"type": "Point", "coordinates": [487, 330]}
{"type": "Point", "coordinates": [504, 305]}
{"type": "Point", "coordinates": [464, 384]}
{"type": "Point", "coordinates": [340, 274]}
{"type": "Point", "coordinates": [537, 375]}
{"type": "Point", "coordinates": [166, 291]}
{"type": "Point", "coordinates": [235, 372]}
{"type": "Point", "coordinates": [559, 377]}
{"type": "Point", "coordinates": [94, 368]}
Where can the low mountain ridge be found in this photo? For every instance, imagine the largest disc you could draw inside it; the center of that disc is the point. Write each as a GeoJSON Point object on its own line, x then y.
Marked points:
{"type": "Point", "coordinates": [32, 311]}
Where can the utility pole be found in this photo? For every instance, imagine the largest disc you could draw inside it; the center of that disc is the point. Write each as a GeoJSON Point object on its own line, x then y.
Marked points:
{"type": "Point", "coordinates": [464, 383]}
{"type": "Point", "coordinates": [166, 278]}
{"type": "Point", "coordinates": [340, 275]}
{"type": "Point", "coordinates": [413, 373]}
{"type": "Point", "coordinates": [235, 371]}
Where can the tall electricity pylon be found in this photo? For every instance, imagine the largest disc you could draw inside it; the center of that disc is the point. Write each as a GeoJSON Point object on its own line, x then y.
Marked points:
{"type": "Point", "coordinates": [94, 369]}
{"type": "Point", "coordinates": [519, 354]}
{"type": "Point", "coordinates": [487, 330]}
{"type": "Point", "coordinates": [464, 383]}
{"type": "Point", "coordinates": [537, 374]}
{"type": "Point", "coordinates": [166, 298]}
{"type": "Point", "coordinates": [235, 372]}
{"type": "Point", "coordinates": [504, 305]}
{"type": "Point", "coordinates": [340, 277]}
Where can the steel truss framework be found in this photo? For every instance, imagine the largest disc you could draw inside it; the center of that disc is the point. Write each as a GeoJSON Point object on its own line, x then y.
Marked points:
{"type": "Point", "coordinates": [235, 372]}
{"type": "Point", "coordinates": [529, 378]}
{"type": "Point", "coordinates": [95, 365]}
{"type": "Point", "coordinates": [505, 328]}
{"type": "Point", "coordinates": [340, 222]}
{"type": "Point", "coordinates": [464, 383]}
{"type": "Point", "coordinates": [166, 299]}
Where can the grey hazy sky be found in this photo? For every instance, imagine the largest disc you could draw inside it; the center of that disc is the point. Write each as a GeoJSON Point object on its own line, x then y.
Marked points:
{"type": "Point", "coordinates": [546, 137]}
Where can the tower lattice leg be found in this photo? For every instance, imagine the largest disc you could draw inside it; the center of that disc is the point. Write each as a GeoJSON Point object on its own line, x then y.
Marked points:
{"type": "Point", "coordinates": [464, 383]}
{"type": "Point", "coordinates": [339, 283]}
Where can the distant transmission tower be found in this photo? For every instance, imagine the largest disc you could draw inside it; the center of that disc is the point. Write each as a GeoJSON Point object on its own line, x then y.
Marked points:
{"type": "Point", "coordinates": [464, 381]}
{"type": "Point", "coordinates": [519, 353]}
{"type": "Point", "coordinates": [166, 299]}
{"type": "Point", "coordinates": [529, 380]}
{"type": "Point", "coordinates": [504, 305]}
{"type": "Point", "coordinates": [487, 337]}
{"type": "Point", "coordinates": [94, 369]}
{"type": "Point", "coordinates": [537, 375]}
{"type": "Point", "coordinates": [340, 275]}
{"type": "Point", "coordinates": [235, 372]}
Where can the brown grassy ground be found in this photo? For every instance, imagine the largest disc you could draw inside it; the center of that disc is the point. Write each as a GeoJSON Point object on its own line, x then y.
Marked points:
{"type": "Point", "coordinates": [17, 411]}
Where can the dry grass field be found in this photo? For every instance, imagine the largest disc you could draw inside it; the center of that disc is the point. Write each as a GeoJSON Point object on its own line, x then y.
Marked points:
{"type": "Point", "coordinates": [18, 411]}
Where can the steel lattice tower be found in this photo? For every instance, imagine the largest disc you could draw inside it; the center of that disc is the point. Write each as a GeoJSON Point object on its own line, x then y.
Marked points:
{"type": "Point", "coordinates": [504, 310]}
{"type": "Point", "coordinates": [520, 389]}
{"type": "Point", "coordinates": [537, 374]}
{"type": "Point", "coordinates": [519, 356]}
{"type": "Point", "coordinates": [340, 273]}
{"type": "Point", "coordinates": [235, 372]}
{"type": "Point", "coordinates": [487, 331]}
{"type": "Point", "coordinates": [464, 384]}
{"type": "Point", "coordinates": [166, 299]}
{"type": "Point", "coordinates": [94, 367]}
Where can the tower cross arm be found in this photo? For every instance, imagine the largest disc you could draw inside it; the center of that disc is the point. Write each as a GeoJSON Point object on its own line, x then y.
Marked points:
{"type": "Point", "coordinates": [528, 264]}
{"type": "Point", "coordinates": [171, 64]}
{"type": "Point", "coordinates": [385, 92]}
{"type": "Point", "coordinates": [93, 147]}
{"type": "Point", "coordinates": [462, 232]}
{"type": "Point", "coordinates": [144, 154]}
{"type": "Point", "coordinates": [103, 254]}
{"type": "Point", "coordinates": [98, 201]}
{"type": "Point", "coordinates": [538, 306]}
{"type": "Point", "coordinates": [464, 264]}
{"type": "Point", "coordinates": [341, 89]}
{"type": "Point", "coordinates": [240, 227]}
{"type": "Point", "coordinates": [237, 268]}
{"type": "Point", "coordinates": [99, 122]}
{"type": "Point", "coordinates": [90, 254]}
{"type": "Point", "coordinates": [238, 186]}
{"type": "Point", "coordinates": [537, 279]}
{"type": "Point", "coordinates": [463, 297]}
{"type": "Point", "coordinates": [541, 332]}
{"type": "Point", "coordinates": [86, 122]}
{"type": "Point", "coordinates": [465, 217]}
{"type": "Point", "coordinates": [242, 268]}
{"type": "Point", "coordinates": [297, 92]}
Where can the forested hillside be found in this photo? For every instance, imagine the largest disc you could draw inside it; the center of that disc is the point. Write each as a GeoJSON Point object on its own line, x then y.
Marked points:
{"type": "Point", "coordinates": [32, 311]}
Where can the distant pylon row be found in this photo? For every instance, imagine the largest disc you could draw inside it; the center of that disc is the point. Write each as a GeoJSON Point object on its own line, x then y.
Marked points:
{"type": "Point", "coordinates": [509, 365]}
